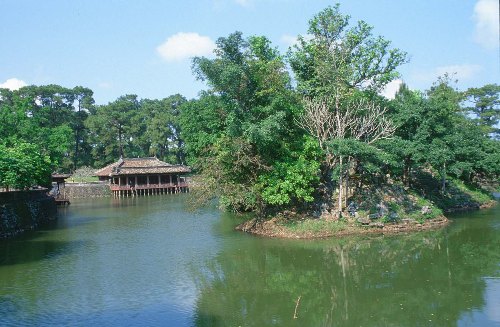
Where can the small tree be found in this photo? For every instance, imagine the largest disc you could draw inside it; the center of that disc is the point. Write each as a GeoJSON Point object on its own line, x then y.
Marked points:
{"type": "Point", "coordinates": [331, 121]}
{"type": "Point", "coordinates": [23, 166]}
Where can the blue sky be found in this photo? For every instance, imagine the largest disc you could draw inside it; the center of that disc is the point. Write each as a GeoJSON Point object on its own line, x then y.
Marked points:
{"type": "Point", "coordinates": [143, 47]}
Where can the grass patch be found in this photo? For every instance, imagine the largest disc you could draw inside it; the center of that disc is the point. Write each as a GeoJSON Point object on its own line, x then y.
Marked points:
{"type": "Point", "coordinates": [477, 194]}
{"type": "Point", "coordinates": [457, 196]}
{"type": "Point", "coordinates": [315, 226]}
{"type": "Point", "coordinates": [83, 179]}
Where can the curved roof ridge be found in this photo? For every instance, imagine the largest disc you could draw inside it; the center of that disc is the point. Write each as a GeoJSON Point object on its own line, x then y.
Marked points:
{"type": "Point", "coordinates": [149, 164]}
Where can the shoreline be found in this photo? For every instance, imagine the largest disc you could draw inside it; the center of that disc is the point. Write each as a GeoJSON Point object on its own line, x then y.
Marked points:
{"type": "Point", "coordinates": [485, 205]}
{"type": "Point", "coordinates": [275, 229]}
{"type": "Point", "coordinates": [281, 228]}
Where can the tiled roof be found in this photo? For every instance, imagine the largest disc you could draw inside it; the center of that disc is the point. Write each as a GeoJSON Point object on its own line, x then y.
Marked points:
{"type": "Point", "coordinates": [56, 175]}
{"type": "Point", "coordinates": [106, 171]}
{"type": "Point", "coordinates": [132, 166]}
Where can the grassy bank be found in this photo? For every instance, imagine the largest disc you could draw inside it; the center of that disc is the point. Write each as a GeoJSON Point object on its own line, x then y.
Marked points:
{"type": "Point", "coordinates": [382, 209]}
{"type": "Point", "coordinates": [82, 179]}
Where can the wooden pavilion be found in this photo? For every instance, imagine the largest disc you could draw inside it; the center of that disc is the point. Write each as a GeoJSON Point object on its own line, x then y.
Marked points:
{"type": "Point", "coordinates": [144, 176]}
{"type": "Point", "coordinates": [58, 188]}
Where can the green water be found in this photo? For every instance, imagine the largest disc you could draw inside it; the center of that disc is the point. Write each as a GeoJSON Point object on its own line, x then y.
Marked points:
{"type": "Point", "coordinates": [149, 262]}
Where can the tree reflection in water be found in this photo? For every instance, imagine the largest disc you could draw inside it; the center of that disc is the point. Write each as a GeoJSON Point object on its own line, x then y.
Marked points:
{"type": "Point", "coordinates": [430, 278]}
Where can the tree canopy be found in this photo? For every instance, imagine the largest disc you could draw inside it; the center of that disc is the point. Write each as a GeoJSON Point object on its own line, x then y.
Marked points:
{"type": "Point", "coordinates": [302, 131]}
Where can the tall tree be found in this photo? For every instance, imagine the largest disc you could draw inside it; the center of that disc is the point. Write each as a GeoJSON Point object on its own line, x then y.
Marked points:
{"type": "Point", "coordinates": [203, 121]}
{"type": "Point", "coordinates": [84, 106]}
{"type": "Point", "coordinates": [113, 129]}
{"type": "Point", "coordinates": [407, 111]}
{"type": "Point", "coordinates": [249, 128]}
{"type": "Point", "coordinates": [485, 107]}
{"type": "Point", "coordinates": [162, 127]}
{"type": "Point", "coordinates": [436, 130]}
{"type": "Point", "coordinates": [43, 115]}
{"type": "Point", "coordinates": [336, 68]}
{"type": "Point", "coordinates": [432, 133]}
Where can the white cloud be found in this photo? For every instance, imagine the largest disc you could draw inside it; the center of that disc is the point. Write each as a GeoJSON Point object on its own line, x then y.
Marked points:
{"type": "Point", "coordinates": [462, 73]}
{"type": "Point", "coordinates": [290, 40]}
{"type": "Point", "coordinates": [13, 84]}
{"type": "Point", "coordinates": [182, 46]}
{"type": "Point", "coordinates": [487, 24]}
{"type": "Point", "coordinates": [391, 88]}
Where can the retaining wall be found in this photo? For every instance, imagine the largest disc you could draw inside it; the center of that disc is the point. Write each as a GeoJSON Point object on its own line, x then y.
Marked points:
{"type": "Point", "coordinates": [85, 190]}
{"type": "Point", "coordinates": [25, 210]}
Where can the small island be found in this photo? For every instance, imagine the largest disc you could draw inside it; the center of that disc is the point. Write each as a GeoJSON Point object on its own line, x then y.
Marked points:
{"type": "Point", "coordinates": [321, 152]}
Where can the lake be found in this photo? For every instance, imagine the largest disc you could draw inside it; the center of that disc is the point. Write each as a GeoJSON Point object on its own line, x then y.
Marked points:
{"type": "Point", "coordinates": [148, 261]}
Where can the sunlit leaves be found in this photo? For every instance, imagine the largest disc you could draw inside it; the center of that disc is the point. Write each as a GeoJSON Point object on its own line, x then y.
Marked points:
{"type": "Point", "coordinates": [23, 166]}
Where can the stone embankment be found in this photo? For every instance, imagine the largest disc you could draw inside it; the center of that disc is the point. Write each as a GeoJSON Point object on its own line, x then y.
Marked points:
{"type": "Point", "coordinates": [85, 190]}
{"type": "Point", "coordinates": [21, 211]}
{"type": "Point", "coordinates": [276, 228]}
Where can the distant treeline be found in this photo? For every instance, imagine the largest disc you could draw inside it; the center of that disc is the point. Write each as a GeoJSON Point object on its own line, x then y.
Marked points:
{"type": "Point", "coordinates": [53, 128]}
{"type": "Point", "coordinates": [273, 130]}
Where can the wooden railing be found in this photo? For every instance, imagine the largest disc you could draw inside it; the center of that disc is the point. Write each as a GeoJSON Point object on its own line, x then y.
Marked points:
{"type": "Point", "coordinates": [115, 187]}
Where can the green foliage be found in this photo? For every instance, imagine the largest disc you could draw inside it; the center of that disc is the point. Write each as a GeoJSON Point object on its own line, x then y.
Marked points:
{"type": "Point", "coordinates": [484, 105]}
{"type": "Point", "coordinates": [339, 69]}
{"type": "Point", "coordinates": [340, 57]}
{"type": "Point", "coordinates": [23, 166]}
{"type": "Point", "coordinates": [112, 129]}
{"type": "Point", "coordinates": [295, 179]}
{"type": "Point", "coordinates": [162, 129]}
{"type": "Point", "coordinates": [229, 173]}
{"type": "Point", "coordinates": [239, 132]}
{"type": "Point", "coordinates": [476, 194]}
{"type": "Point", "coordinates": [432, 132]}
{"type": "Point", "coordinates": [202, 122]}
{"type": "Point", "coordinates": [249, 136]}
{"type": "Point", "coordinates": [51, 117]}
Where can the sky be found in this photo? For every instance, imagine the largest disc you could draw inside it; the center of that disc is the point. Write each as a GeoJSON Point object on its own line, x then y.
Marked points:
{"type": "Point", "coordinates": [118, 47]}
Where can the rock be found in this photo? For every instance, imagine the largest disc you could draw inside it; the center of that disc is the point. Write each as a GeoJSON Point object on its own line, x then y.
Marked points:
{"type": "Point", "coordinates": [382, 209]}
{"type": "Point", "coordinates": [363, 220]}
{"type": "Point", "coordinates": [374, 216]}
{"type": "Point", "coordinates": [393, 216]}
{"type": "Point", "coordinates": [425, 210]}
{"type": "Point", "coordinates": [377, 224]}
{"type": "Point", "coordinates": [352, 208]}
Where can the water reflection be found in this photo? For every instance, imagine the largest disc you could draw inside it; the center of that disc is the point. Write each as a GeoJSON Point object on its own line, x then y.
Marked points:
{"type": "Point", "coordinates": [148, 261]}
{"type": "Point", "coordinates": [429, 279]}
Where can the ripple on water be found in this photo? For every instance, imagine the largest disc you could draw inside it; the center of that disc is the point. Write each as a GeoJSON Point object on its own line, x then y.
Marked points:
{"type": "Point", "coordinates": [148, 261]}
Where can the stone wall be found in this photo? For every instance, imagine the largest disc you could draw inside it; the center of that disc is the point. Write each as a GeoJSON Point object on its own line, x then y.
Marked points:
{"type": "Point", "coordinates": [85, 190]}
{"type": "Point", "coordinates": [25, 210]}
